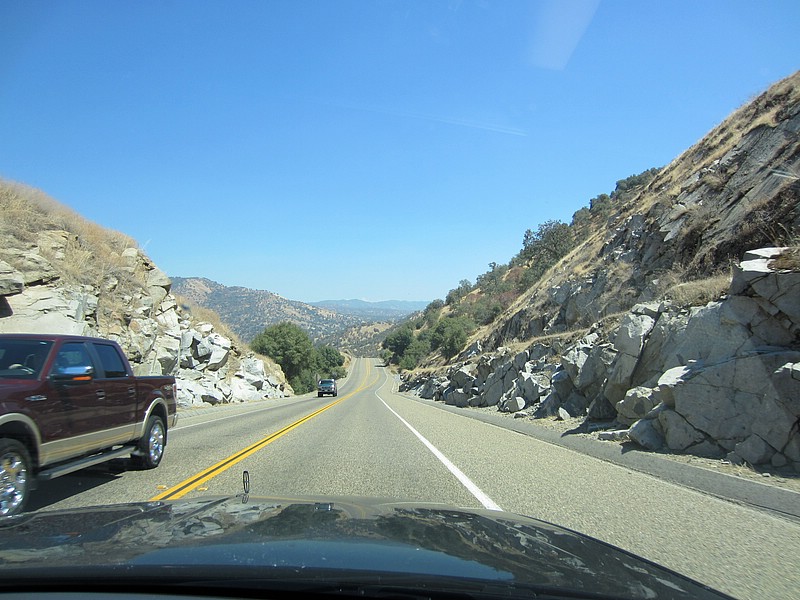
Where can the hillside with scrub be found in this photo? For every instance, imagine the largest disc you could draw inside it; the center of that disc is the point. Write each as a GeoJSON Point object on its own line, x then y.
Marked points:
{"type": "Point", "coordinates": [60, 273]}
{"type": "Point", "coordinates": [666, 312]}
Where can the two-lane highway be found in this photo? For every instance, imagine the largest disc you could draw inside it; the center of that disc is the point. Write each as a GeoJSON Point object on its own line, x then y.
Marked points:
{"type": "Point", "coordinates": [372, 442]}
{"type": "Point", "coordinates": [349, 445]}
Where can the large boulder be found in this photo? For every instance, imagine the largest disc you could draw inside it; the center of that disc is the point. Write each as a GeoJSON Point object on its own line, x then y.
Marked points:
{"type": "Point", "coordinates": [647, 433]}
{"type": "Point", "coordinates": [636, 404]}
{"type": "Point", "coordinates": [494, 388]}
{"type": "Point", "coordinates": [632, 333]}
{"type": "Point", "coordinates": [50, 309]}
{"type": "Point", "coordinates": [463, 378]}
{"type": "Point", "coordinates": [756, 276]}
{"type": "Point", "coordinates": [251, 369]}
{"type": "Point", "coordinates": [11, 281]}
{"type": "Point", "coordinates": [167, 350]}
{"type": "Point", "coordinates": [747, 406]}
{"type": "Point", "coordinates": [629, 341]}
{"type": "Point", "coordinates": [588, 364]}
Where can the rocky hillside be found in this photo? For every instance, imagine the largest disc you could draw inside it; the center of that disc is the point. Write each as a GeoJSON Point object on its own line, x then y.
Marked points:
{"type": "Point", "coordinates": [364, 340]}
{"type": "Point", "coordinates": [676, 318]}
{"type": "Point", "coordinates": [248, 312]}
{"type": "Point", "coordinates": [62, 274]}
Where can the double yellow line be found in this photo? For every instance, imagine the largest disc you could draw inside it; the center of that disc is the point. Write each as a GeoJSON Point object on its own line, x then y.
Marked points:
{"type": "Point", "coordinates": [183, 488]}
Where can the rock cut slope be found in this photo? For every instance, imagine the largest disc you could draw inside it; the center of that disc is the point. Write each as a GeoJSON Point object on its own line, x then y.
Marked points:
{"type": "Point", "coordinates": [677, 315]}
{"type": "Point", "coordinates": [62, 274]}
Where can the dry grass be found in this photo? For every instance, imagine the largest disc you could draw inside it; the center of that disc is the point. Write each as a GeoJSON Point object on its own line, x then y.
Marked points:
{"type": "Point", "coordinates": [206, 315]}
{"type": "Point", "coordinates": [25, 211]}
{"type": "Point", "coordinates": [698, 292]}
{"type": "Point", "coordinates": [200, 314]}
{"type": "Point", "coordinates": [90, 254]}
{"type": "Point", "coordinates": [789, 260]}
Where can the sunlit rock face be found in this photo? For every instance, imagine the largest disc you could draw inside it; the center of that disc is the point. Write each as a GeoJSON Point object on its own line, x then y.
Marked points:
{"type": "Point", "coordinates": [129, 301]}
{"type": "Point", "coordinates": [720, 380]}
{"type": "Point", "coordinates": [670, 316]}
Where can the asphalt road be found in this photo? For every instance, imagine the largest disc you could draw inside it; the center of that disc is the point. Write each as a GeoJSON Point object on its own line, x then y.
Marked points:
{"type": "Point", "coordinates": [370, 441]}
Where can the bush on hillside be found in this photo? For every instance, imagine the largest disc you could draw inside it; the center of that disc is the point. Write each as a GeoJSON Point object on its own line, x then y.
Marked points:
{"type": "Point", "coordinates": [451, 334]}
{"type": "Point", "coordinates": [455, 295]}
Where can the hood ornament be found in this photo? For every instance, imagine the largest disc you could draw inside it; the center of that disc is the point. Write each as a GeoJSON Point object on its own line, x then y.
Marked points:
{"type": "Point", "coordinates": [245, 486]}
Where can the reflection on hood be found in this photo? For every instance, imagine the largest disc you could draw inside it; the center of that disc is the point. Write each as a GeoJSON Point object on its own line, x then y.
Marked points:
{"type": "Point", "coordinates": [341, 536]}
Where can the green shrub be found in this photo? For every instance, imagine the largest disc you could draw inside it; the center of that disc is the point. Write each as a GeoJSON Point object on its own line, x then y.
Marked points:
{"type": "Point", "coordinates": [451, 334]}
{"type": "Point", "coordinates": [397, 342]}
{"type": "Point", "coordinates": [291, 347]}
{"type": "Point", "coordinates": [416, 351]}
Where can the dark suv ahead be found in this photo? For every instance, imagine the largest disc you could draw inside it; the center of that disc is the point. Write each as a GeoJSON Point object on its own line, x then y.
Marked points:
{"type": "Point", "coordinates": [326, 386]}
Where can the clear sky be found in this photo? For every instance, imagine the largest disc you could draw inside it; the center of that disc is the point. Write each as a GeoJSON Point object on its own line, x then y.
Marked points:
{"type": "Point", "coordinates": [378, 150]}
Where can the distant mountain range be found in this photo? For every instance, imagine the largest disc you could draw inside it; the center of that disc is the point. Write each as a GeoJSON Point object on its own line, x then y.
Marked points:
{"type": "Point", "coordinates": [248, 312]}
{"type": "Point", "coordinates": [385, 310]}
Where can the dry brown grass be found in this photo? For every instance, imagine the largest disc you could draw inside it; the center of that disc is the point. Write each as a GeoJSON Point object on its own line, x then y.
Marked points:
{"type": "Point", "coordinates": [789, 260]}
{"type": "Point", "coordinates": [698, 292]}
{"type": "Point", "coordinates": [25, 211]}
{"type": "Point", "coordinates": [91, 254]}
{"type": "Point", "coordinates": [201, 314]}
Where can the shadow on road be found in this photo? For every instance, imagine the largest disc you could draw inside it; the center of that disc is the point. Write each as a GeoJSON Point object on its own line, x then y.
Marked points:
{"type": "Point", "coordinates": [61, 488]}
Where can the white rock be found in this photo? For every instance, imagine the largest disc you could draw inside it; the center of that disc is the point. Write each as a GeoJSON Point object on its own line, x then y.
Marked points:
{"type": "Point", "coordinates": [218, 359]}
{"type": "Point", "coordinates": [619, 435]}
{"type": "Point", "coordinates": [632, 333]}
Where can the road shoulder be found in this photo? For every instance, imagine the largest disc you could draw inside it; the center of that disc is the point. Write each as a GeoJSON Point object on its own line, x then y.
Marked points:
{"type": "Point", "coordinates": [746, 489]}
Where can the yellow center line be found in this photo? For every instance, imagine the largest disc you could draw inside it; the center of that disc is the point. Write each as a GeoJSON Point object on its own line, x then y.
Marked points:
{"type": "Point", "coordinates": [183, 488]}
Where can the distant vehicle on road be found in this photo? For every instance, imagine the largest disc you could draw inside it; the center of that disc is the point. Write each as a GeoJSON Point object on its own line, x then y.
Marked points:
{"type": "Point", "coordinates": [70, 402]}
{"type": "Point", "coordinates": [327, 386]}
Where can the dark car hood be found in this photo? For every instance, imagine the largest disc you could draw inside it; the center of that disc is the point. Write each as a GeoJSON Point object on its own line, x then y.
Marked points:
{"type": "Point", "coordinates": [330, 540]}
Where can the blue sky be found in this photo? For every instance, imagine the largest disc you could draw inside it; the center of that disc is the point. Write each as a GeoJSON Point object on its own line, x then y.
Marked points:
{"type": "Point", "coordinates": [351, 149]}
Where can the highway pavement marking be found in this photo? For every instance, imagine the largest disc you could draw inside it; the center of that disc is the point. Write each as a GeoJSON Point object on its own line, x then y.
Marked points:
{"type": "Point", "coordinates": [194, 482]}
{"type": "Point", "coordinates": [458, 473]}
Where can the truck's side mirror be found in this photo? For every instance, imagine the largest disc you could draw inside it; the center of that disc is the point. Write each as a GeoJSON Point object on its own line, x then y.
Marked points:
{"type": "Point", "coordinates": [77, 374]}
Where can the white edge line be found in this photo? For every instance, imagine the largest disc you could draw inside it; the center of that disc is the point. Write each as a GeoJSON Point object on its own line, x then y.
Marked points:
{"type": "Point", "coordinates": [459, 474]}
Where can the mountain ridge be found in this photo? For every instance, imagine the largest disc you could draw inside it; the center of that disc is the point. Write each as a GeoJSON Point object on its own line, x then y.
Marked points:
{"type": "Point", "coordinates": [380, 310]}
{"type": "Point", "coordinates": [249, 311]}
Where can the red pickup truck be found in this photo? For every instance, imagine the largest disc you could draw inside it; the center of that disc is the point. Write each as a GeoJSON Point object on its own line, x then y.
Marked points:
{"type": "Point", "coordinates": [70, 402]}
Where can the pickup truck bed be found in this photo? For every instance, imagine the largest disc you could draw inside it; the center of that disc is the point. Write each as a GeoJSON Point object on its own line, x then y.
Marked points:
{"type": "Point", "coordinates": [69, 402]}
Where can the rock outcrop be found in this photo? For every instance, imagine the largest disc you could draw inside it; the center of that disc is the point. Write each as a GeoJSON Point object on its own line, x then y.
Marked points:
{"type": "Point", "coordinates": [130, 301]}
{"type": "Point", "coordinates": [638, 327]}
{"type": "Point", "coordinates": [721, 380]}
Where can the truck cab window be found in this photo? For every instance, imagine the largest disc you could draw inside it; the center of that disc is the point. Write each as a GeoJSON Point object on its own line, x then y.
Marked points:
{"type": "Point", "coordinates": [111, 361]}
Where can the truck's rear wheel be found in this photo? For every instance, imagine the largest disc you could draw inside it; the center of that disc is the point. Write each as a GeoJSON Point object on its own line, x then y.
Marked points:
{"type": "Point", "coordinates": [15, 472]}
{"type": "Point", "coordinates": [151, 446]}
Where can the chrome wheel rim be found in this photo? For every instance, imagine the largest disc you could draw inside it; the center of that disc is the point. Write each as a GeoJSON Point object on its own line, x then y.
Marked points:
{"type": "Point", "coordinates": [13, 482]}
{"type": "Point", "coordinates": [156, 443]}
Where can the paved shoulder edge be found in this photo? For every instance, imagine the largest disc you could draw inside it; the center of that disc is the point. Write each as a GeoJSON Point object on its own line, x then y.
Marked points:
{"type": "Point", "coordinates": [782, 502]}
